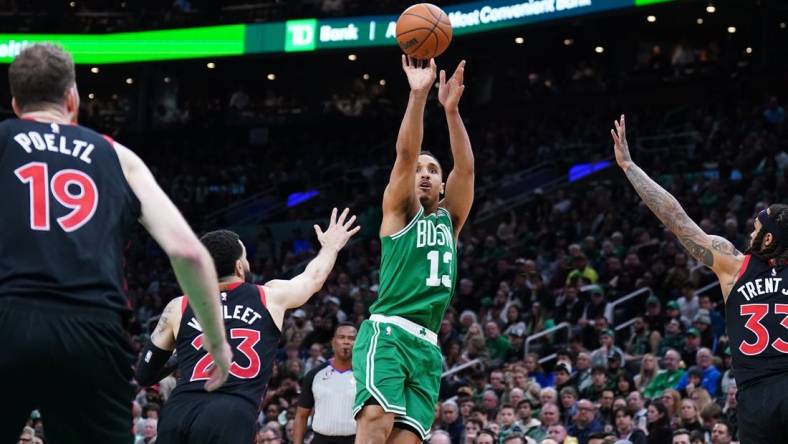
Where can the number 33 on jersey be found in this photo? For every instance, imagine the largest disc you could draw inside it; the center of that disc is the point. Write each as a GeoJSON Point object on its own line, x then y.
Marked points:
{"type": "Point", "coordinates": [418, 270]}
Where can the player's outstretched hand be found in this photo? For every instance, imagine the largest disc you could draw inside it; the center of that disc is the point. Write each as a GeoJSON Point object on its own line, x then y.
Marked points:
{"type": "Point", "coordinates": [421, 74]}
{"type": "Point", "coordinates": [620, 145]}
{"type": "Point", "coordinates": [449, 93]}
{"type": "Point", "coordinates": [338, 232]}
{"type": "Point", "coordinates": [222, 357]}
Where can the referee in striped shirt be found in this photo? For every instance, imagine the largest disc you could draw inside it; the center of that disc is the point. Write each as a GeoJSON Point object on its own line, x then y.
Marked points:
{"type": "Point", "coordinates": [328, 391]}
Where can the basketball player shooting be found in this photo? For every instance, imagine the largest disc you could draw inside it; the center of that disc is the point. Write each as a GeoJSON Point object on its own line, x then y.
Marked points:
{"type": "Point", "coordinates": [396, 358]}
{"type": "Point", "coordinates": [253, 317]}
{"type": "Point", "coordinates": [755, 290]}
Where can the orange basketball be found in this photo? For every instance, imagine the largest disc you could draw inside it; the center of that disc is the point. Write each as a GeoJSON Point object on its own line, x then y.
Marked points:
{"type": "Point", "coordinates": [423, 31]}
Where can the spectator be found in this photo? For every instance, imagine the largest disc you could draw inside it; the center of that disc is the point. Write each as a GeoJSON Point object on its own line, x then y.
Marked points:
{"type": "Point", "coordinates": [549, 415]}
{"type": "Point", "coordinates": [487, 436]}
{"type": "Point", "coordinates": [673, 337]}
{"type": "Point", "coordinates": [599, 383]}
{"type": "Point", "coordinates": [516, 352]}
{"type": "Point", "coordinates": [440, 437]}
{"type": "Point", "coordinates": [569, 397]}
{"type": "Point", "coordinates": [721, 433]}
{"type": "Point", "coordinates": [774, 114]}
{"type": "Point", "coordinates": [451, 421]}
{"type": "Point", "coordinates": [729, 410]}
{"type": "Point", "coordinates": [558, 433]}
{"type": "Point", "coordinates": [315, 357]}
{"type": "Point", "coordinates": [689, 418]}
{"type": "Point", "coordinates": [681, 436]}
{"type": "Point", "coordinates": [536, 372]}
{"type": "Point", "coordinates": [562, 375]}
{"type": "Point", "coordinates": [497, 383]}
{"type": "Point", "coordinates": [625, 427]}
{"type": "Point", "coordinates": [490, 403]}
{"type": "Point", "coordinates": [582, 377]}
{"type": "Point", "coordinates": [659, 431]}
{"type": "Point", "coordinates": [688, 303]}
{"type": "Point", "coordinates": [649, 368]}
{"type": "Point", "coordinates": [711, 376]}
{"type": "Point", "coordinates": [639, 340]}
{"type": "Point", "coordinates": [667, 378]}
{"type": "Point", "coordinates": [636, 406]}
{"type": "Point", "coordinates": [585, 422]}
{"type": "Point", "coordinates": [607, 349]}
{"type": "Point", "coordinates": [27, 436]}
{"type": "Point", "coordinates": [148, 432]}
{"type": "Point", "coordinates": [691, 345]}
{"type": "Point", "coordinates": [495, 343]}
{"type": "Point", "coordinates": [508, 422]}
{"type": "Point", "coordinates": [531, 426]}
{"type": "Point", "coordinates": [472, 429]}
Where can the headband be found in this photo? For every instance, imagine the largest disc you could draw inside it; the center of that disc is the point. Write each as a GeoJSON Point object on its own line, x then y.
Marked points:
{"type": "Point", "coordinates": [772, 227]}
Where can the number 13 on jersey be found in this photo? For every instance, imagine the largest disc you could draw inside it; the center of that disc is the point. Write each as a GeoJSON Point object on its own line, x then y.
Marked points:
{"type": "Point", "coordinates": [433, 280]}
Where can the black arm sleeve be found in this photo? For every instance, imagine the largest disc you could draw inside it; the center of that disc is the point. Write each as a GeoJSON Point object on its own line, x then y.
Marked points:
{"type": "Point", "coordinates": [153, 366]}
{"type": "Point", "coordinates": [307, 398]}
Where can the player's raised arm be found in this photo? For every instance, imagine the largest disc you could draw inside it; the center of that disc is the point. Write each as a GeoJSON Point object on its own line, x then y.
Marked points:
{"type": "Point", "coordinates": [282, 295]}
{"type": "Point", "coordinates": [459, 185]}
{"type": "Point", "coordinates": [399, 199]}
{"type": "Point", "coordinates": [190, 260]}
{"type": "Point", "coordinates": [715, 252]}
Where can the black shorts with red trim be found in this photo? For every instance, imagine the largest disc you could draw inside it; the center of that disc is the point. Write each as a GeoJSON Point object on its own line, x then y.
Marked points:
{"type": "Point", "coordinates": [203, 418]}
{"type": "Point", "coordinates": [71, 362]}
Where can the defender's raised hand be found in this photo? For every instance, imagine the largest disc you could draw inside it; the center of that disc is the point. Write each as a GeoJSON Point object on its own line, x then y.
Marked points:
{"type": "Point", "coordinates": [338, 232]}
{"type": "Point", "coordinates": [421, 75]}
{"type": "Point", "coordinates": [620, 145]}
{"type": "Point", "coordinates": [449, 93]}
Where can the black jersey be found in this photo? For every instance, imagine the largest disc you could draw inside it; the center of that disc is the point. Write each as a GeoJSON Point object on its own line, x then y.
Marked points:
{"type": "Point", "coordinates": [252, 334]}
{"type": "Point", "coordinates": [756, 317]}
{"type": "Point", "coordinates": [64, 216]}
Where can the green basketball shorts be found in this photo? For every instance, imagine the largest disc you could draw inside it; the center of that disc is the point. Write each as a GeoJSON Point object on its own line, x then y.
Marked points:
{"type": "Point", "coordinates": [398, 363]}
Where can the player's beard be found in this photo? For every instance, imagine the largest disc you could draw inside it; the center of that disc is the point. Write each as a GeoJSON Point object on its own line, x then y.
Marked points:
{"type": "Point", "coordinates": [756, 245]}
{"type": "Point", "coordinates": [247, 275]}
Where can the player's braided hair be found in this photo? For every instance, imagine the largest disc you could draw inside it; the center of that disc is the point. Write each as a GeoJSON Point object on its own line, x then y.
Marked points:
{"type": "Point", "coordinates": [775, 250]}
{"type": "Point", "coordinates": [225, 249]}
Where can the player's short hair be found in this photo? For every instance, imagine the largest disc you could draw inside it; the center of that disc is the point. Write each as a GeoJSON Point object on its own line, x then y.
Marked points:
{"type": "Point", "coordinates": [428, 153]}
{"type": "Point", "coordinates": [41, 75]}
{"type": "Point", "coordinates": [343, 324]}
{"type": "Point", "coordinates": [778, 213]}
{"type": "Point", "coordinates": [225, 248]}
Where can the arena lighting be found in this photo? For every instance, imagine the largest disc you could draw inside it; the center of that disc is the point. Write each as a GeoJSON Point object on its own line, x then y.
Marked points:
{"type": "Point", "coordinates": [271, 76]}
{"type": "Point", "coordinates": [581, 170]}
{"type": "Point", "coordinates": [94, 70]}
{"type": "Point", "coordinates": [599, 49]}
{"type": "Point", "coordinates": [129, 80]}
{"type": "Point", "coordinates": [211, 65]}
{"type": "Point", "coordinates": [731, 30]}
{"type": "Point", "coordinates": [365, 77]}
{"type": "Point", "coordinates": [748, 50]}
{"type": "Point", "coordinates": [382, 82]}
{"type": "Point", "coordinates": [91, 96]}
{"type": "Point", "coordinates": [519, 40]}
{"type": "Point", "coordinates": [699, 21]}
{"type": "Point", "coordinates": [568, 42]}
{"type": "Point", "coordinates": [782, 25]}
{"type": "Point", "coordinates": [297, 198]}
{"type": "Point", "coordinates": [711, 9]}
{"type": "Point", "coordinates": [73, 4]}
{"type": "Point", "coordinates": [352, 57]}
{"type": "Point", "coordinates": [651, 19]}
{"type": "Point", "coordinates": [167, 79]}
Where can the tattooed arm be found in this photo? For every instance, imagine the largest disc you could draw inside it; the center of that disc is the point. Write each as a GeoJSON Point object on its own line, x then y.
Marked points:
{"type": "Point", "coordinates": [154, 363]}
{"type": "Point", "coordinates": [714, 252]}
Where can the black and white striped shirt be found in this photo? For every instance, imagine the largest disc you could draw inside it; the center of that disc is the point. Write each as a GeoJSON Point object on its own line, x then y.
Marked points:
{"type": "Point", "coordinates": [331, 392]}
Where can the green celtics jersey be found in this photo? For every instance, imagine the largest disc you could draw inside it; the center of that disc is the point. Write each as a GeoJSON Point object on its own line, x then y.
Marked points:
{"type": "Point", "coordinates": [418, 270]}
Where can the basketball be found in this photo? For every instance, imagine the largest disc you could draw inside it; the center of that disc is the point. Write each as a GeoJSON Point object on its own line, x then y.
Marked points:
{"type": "Point", "coordinates": [423, 31]}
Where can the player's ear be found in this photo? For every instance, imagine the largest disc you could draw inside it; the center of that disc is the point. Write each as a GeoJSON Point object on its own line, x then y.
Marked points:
{"type": "Point", "coordinates": [15, 107]}
{"type": "Point", "coordinates": [443, 188]}
{"type": "Point", "coordinates": [72, 102]}
{"type": "Point", "coordinates": [239, 268]}
{"type": "Point", "coordinates": [767, 239]}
